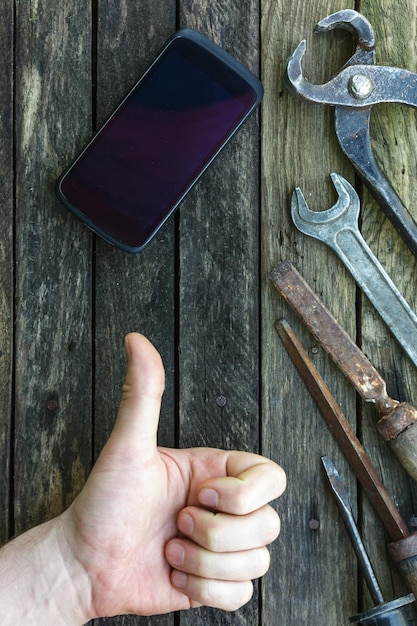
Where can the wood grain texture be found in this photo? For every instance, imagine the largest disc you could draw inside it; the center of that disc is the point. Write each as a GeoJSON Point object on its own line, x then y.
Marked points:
{"type": "Point", "coordinates": [6, 260]}
{"type": "Point", "coordinates": [133, 292]}
{"type": "Point", "coordinates": [299, 149]}
{"type": "Point", "coordinates": [53, 279]}
{"type": "Point", "coordinates": [219, 279]}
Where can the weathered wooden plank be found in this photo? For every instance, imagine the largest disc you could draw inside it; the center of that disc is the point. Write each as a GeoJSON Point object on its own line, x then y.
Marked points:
{"type": "Point", "coordinates": [394, 138]}
{"type": "Point", "coordinates": [53, 330]}
{"type": "Point", "coordinates": [6, 260]}
{"type": "Point", "coordinates": [299, 149]}
{"type": "Point", "coordinates": [219, 280]}
{"type": "Point", "coordinates": [133, 292]}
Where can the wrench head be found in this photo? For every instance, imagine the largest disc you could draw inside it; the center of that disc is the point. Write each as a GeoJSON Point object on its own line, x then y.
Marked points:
{"type": "Point", "coordinates": [324, 225]}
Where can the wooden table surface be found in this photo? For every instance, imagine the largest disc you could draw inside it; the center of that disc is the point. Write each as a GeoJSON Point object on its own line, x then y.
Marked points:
{"type": "Point", "coordinates": [200, 291]}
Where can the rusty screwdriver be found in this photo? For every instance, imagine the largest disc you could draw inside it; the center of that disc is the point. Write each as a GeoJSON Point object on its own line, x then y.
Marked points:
{"type": "Point", "coordinates": [397, 423]}
{"type": "Point", "coordinates": [344, 434]}
{"type": "Point", "coordinates": [395, 613]}
{"type": "Point", "coordinates": [403, 546]}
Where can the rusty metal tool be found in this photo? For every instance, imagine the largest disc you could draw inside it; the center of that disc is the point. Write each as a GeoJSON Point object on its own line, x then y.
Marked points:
{"type": "Point", "coordinates": [344, 434]}
{"type": "Point", "coordinates": [403, 545]}
{"type": "Point", "coordinates": [398, 612]}
{"type": "Point", "coordinates": [397, 423]}
{"type": "Point", "coordinates": [338, 228]}
{"type": "Point", "coordinates": [358, 86]}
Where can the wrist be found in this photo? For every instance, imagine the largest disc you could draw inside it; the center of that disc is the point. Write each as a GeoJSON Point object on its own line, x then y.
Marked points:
{"type": "Point", "coordinates": [41, 581]}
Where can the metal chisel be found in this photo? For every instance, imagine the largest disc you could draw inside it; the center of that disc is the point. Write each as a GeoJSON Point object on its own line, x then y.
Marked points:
{"type": "Point", "coordinates": [403, 547]}
{"type": "Point", "coordinates": [397, 423]}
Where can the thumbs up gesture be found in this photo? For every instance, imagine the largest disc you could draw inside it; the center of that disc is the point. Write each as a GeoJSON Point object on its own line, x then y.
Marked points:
{"type": "Point", "coordinates": [158, 530]}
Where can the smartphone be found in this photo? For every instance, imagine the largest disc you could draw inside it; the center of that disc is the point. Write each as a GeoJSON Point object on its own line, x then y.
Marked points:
{"type": "Point", "coordinates": [141, 164]}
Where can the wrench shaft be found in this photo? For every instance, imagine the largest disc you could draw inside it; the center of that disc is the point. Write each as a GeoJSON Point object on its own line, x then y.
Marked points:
{"type": "Point", "coordinates": [378, 287]}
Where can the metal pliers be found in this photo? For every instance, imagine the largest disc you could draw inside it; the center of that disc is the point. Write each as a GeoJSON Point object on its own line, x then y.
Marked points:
{"type": "Point", "coordinates": [352, 92]}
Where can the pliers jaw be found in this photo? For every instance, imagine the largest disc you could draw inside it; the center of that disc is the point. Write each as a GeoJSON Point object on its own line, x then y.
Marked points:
{"type": "Point", "coordinates": [352, 21]}
{"type": "Point", "coordinates": [360, 28]}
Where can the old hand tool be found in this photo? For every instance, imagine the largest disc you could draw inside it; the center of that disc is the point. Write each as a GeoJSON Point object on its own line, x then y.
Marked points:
{"type": "Point", "coordinates": [397, 423]}
{"type": "Point", "coordinates": [358, 86]}
{"type": "Point", "coordinates": [403, 546]}
{"type": "Point", "coordinates": [395, 613]}
{"type": "Point", "coordinates": [338, 228]}
{"type": "Point", "coordinates": [343, 433]}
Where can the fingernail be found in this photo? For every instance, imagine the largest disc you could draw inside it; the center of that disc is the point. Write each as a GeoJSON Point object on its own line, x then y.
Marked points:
{"type": "Point", "coordinates": [186, 524]}
{"type": "Point", "coordinates": [209, 497]}
{"type": "Point", "coordinates": [179, 579]}
{"type": "Point", "coordinates": [175, 554]}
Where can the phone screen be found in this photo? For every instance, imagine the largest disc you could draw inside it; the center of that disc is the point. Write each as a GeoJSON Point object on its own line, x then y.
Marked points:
{"type": "Point", "coordinates": [151, 151]}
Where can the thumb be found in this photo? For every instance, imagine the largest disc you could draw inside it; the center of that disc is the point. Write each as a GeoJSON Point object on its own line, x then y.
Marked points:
{"type": "Point", "coordinates": [138, 417]}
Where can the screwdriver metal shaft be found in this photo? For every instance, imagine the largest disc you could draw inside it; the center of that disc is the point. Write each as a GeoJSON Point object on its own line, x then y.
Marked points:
{"type": "Point", "coordinates": [403, 551]}
{"type": "Point", "coordinates": [343, 502]}
{"type": "Point", "coordinates": [395, 613]}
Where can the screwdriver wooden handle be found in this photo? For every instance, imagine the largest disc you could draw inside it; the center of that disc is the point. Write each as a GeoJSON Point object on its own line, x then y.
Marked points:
{"type": "Point", "coordinates": [404, 555]}
{"type": "Point", "coordinates": [399, 429]}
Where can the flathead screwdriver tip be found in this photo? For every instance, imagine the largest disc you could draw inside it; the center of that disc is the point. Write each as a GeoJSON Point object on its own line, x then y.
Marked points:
{"type": "Point", "coordinates": [343, 501]}
{"type": "Point", "coordinates": [336, 484]}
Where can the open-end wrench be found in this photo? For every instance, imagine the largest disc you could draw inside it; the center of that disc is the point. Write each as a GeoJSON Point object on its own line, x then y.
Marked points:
{"type": "Point", "coordinates": [358, 86]}
{"type": "Point", "coordinates": [338, 228]}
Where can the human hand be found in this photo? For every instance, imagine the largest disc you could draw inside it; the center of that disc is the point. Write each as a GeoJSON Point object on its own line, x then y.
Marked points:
{"type": "Point", "coordinates": [158, 530]}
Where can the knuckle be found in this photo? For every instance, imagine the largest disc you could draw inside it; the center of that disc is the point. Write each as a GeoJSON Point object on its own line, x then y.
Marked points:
{"type": "Point", "coordinates": [277, 478]}
{"type": "Point", "coordinates": [229, 597]}
{"type": "Point", "coordinates": [264, 562]}
{"type": "Point", "coordinates": [241, 501]}
{"type": "Point", "coordinates": [213, 538]}
{"type": "Point", "coordinates": [282, 481]}
{"type": "Point", "coordinates": [243, 597]}
{"type": "Point", "coordinates": [272, 526]}
{"type": "Point", "coordinates": [212, 595]}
